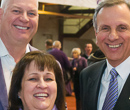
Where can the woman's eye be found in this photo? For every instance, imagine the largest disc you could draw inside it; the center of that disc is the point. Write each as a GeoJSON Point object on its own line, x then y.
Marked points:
{"type": "Point", "coordinates": [32, 79]}
{"type": "Point", "coordinates": [49, 79]}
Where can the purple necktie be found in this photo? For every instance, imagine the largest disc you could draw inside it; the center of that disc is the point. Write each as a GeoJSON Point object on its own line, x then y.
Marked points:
{"type": "Point", "coordinates": [112, 93]}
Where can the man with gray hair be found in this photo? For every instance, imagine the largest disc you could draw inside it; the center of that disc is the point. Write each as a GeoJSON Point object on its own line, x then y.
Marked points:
{"type": "Point", "coordinates": [105, 85]}
{"type": "Point", "coordinates": [57, 44]}
{"type": "Point", "coordinates": [18, 24]}
{"type": "Point", "coordinates": [63, 60]}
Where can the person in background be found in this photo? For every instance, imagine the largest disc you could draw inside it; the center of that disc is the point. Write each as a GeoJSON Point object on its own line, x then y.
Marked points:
{"type": "Point", "coordinates": [105, 84]}
{"type": "Point", "coordinates": [37, 84]}
{"type": "Point", "coordinates": [48, 45]}
{"type": "Point", "coordinates": [98, 55]}
{"type": "Point", "coordinates": [65, 64]}
{"type": "Point", "coordinates": [18, 24]}
{"type": "Point", "coordinates": [78, 64]}
{"type": "Point", "coordinates": [88, 50]}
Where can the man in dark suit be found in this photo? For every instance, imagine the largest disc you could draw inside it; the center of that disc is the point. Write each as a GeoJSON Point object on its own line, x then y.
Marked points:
{"type": "Point", "coordinates": [18, 24]}
{"type": "Point", "coordinates": [48, 45]}
{"type": "Point", "coordinates": [88, 49]}
{"type": "Point", "coordinates": [112, 30]}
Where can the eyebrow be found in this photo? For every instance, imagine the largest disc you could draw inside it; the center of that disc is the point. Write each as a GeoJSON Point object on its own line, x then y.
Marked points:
{"type": "Point", "coordinates": [14, 6]}
{"type": "Point", "coordinates": [48, 73]}
{"type": "Point", "coordinates": [33, 74]}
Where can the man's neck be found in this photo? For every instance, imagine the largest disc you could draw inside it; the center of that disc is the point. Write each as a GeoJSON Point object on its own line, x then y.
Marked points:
{"type": "Point", "coordinates": [17, 53]}
{"type": "Point", "coordinates": [16, 49]}
{"type": "Point", "coordinates": [88, 54]}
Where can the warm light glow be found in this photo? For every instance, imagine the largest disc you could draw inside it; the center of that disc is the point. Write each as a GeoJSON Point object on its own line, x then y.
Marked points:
{"type": "Point", "coordinates": [61, 14]}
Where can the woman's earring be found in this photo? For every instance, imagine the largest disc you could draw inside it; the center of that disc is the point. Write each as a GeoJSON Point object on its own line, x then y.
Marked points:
{"type": "Point", "coordinates": [19, 96]}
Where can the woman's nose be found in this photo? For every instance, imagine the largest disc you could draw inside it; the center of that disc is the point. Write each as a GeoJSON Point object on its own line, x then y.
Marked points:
{"type": "Point", "coordinates": [41, 84]}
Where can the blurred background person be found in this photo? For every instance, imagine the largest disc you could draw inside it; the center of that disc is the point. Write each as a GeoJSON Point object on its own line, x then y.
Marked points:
{"type": "Point", "coordinates": [37, 84]}
{"type": "Point", "coordinates": [48, 45]}
{"type": "Point", "coordinates": [88, 49]}
{"type": "Point", "coordinates": [65, 64]}
{"type": "Point", "coordinates": [78, 64]}
{"type": "Point", "coordinates": [98, 55]}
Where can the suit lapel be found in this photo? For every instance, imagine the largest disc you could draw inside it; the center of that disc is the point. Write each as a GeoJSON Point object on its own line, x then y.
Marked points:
{"type": "Point", "coordinates": [3, 90]}
{"type": "Point", "coordinates": [123, 102]}
{"type": "Point", "coordinates": [94, 85]}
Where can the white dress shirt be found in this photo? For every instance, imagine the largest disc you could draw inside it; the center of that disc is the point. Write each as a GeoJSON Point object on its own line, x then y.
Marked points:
{"type": "Point", "coordinates": [123, 70]}
{"type": "Point", "coordinates": [8, 63]}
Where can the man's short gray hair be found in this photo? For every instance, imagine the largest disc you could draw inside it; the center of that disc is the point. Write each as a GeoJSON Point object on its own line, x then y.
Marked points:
{"type": "Point", "coordinates": [107, 3]}
{"type": "Point", "coordinates": [57, 44]}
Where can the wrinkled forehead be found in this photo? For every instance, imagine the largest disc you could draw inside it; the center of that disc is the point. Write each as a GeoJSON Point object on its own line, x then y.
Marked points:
{"type": "Point", "coordinates": [6, 3]}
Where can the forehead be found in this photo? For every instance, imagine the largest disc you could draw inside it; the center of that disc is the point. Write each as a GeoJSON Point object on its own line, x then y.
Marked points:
{"type": "Point", "coordinates": [88, 45]}
{"type": "Point", "coordinates": [114, 14]}
{"type": "Point", "coordinates": [22, 3]}
{"type": "Point", "coordinates": [33, 68]}
{"type": "Point", "coordinates": [34, 65]}
{"type": "Point", "coordinates": [75, 51]}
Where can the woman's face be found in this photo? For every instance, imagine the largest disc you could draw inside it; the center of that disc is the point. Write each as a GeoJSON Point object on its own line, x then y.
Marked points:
{"type": "Point", "coordinates": [75, 55]}
{"type": "Point", "coordinates": [38, 89]}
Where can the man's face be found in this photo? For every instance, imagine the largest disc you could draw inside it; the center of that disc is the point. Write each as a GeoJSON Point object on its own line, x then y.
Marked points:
{"type": "Point", "coordinates": [88, 49]}
{"type": "Point", "coordinates": [113, 33]}
{"type": "Point", "coordinates": [20, 21]}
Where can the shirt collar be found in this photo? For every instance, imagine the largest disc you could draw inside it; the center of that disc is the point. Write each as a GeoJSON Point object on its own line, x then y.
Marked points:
{"type": "Point", "coordinates": [27, 48]}
{"type": "Point", "coordinates": [123, 69]}
{"type": "Point", "coordinates": [4, 50]}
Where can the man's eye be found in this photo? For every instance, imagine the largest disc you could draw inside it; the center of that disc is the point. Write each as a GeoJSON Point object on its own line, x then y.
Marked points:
{"type": "Point", "coordinates": [31, 14]}
{"type": "Point", "coordinates": [105, 28]}
{"type": "Point", "coordinates": [122, 28]}
{"type": "Point", "coordinates": [16, 11]}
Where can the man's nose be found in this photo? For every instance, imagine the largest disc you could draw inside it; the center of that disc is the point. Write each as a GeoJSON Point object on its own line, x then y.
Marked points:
{"type": "Point", "coordinates": [24, 17]}
{"type": "Point", "coordinates": [113, 35]}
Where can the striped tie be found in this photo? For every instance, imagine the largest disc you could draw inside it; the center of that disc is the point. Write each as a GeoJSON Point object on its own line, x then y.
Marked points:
{"type": "Point", "coordinates": [112, 93]}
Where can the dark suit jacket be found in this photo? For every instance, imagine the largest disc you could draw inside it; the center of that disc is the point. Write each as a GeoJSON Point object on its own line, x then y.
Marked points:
{"type": "Point", "coordinates": [90, 80]}
{"type": "Point", "coordinates": [3, 90]}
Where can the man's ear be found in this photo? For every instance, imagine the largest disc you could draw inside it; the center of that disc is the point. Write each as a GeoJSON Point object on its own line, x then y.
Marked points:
{"type": "Point", "coordinates": [96, 36]}
{"type": "Point", "coordinates": [95, 32]}
{"type": "Point", "coordinates": [1, 14]}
